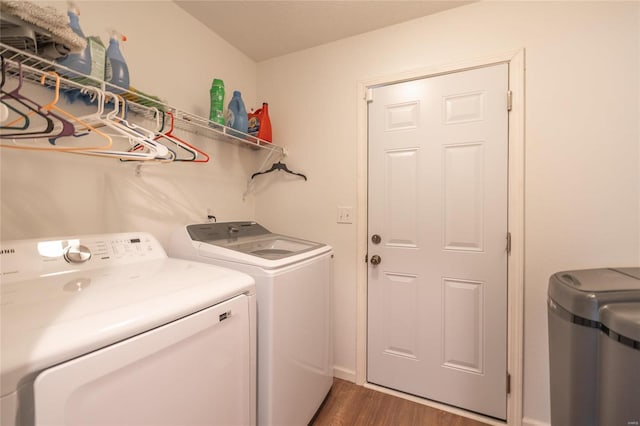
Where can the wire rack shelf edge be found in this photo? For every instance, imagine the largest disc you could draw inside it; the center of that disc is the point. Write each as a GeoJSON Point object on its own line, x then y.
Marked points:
{"type": "Point", "coordinates": [33, 67]}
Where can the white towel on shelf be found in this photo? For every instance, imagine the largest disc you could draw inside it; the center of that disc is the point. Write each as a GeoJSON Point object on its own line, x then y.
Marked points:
{"type": "Point", "coordinates": [47, 18]}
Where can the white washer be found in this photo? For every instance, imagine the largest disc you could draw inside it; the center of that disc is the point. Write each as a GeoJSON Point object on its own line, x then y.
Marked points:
{"type": "Point", "coordinates": [107, 330]}
{"type": "Point", "coordinates": [294, 284]}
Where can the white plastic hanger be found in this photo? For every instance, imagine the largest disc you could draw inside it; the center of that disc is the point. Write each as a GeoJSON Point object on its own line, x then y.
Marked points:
{"type": "Point", "coordinates": [139, 136]}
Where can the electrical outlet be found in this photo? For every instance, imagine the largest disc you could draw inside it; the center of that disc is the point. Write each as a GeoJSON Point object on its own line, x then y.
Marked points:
{"type": "Point", "coordinates": [345, 215]}
{"type": "Point", "coordinates": [210, 217]}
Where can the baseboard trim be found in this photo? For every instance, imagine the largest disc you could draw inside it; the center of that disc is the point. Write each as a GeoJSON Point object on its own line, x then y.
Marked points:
{"type": "Point", "coordinates": [344, 374]}
{"type": "Point", "coordinates": [531, 422]}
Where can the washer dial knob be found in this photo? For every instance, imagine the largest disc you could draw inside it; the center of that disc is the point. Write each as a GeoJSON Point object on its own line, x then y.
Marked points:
{"type": "Point", "coordinates": [77, 254]}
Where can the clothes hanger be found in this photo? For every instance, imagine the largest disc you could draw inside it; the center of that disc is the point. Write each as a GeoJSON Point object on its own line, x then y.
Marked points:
{"type": "Point", "coordinates": [68, 128]}
{"type": "Point", "coordinates": [24, 117]}
{"type": "Point", "coordinates": [15, 95]}
{"type": "Point", "coordinates": [150, 149]}
{"type": "Point", "coordinates": [65, 127]}
{"type": "Point", "coordinates": [198, 156]}
{"type": "Point", "coordinates": [147, 137]}
{"type": "Point", "coordinates": [279, 166]}
{"type": "Point", "coordinates": [173, 156]}
{"type": "Point", "coordinates": [97, 119]}
{"type": "Point", "coordinates": [159, 136]}
{"type": "Point", "coordinates": [52, 106]}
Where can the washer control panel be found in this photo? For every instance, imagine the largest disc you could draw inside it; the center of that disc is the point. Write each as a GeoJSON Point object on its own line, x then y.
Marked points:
{"type": "Point", "coordinates": [40, 257]}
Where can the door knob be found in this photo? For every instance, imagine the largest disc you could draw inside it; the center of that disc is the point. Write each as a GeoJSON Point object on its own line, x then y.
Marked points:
{"type": "Point", "coordinates": [375, 239]}
{"type": "Point", "coordinates": [375, 259]}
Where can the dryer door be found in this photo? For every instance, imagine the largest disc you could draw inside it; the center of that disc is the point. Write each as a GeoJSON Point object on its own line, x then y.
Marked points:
{"type": "Point", "coordinates": [193, 371]}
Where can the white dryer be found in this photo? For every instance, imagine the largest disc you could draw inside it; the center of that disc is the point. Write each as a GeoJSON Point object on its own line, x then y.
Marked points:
{"type": "Point", "coordinates": [294, 279]}
{"type": "Point", "coordinates": [107, 330]}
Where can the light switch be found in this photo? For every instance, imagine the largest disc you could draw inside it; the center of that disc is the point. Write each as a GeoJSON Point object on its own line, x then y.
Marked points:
{"type": "Point", "coordinates": [345, 215]}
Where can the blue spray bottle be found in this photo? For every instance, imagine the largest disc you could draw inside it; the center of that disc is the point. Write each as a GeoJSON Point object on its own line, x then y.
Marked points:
{"type": "Point", "coordinates": [80, 62]}
{"type": "Point", "coordinates": [117, 72]}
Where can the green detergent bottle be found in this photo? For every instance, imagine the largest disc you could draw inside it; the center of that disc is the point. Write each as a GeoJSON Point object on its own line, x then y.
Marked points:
{"type": "Point", "coordinates": [216, 112]}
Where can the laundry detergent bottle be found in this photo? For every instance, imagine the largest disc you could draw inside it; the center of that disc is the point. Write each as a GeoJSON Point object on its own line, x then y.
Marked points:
{"type": "Point", "coordinates": [237, 113]}
{"type": "Point", "coordinates": [260, 123]}
{"type": "Point", "coordinates": [80, 62]}
{"type": "Point", "coordinates": [264, 132]}
{"type": "Point", "coordinates": [119, 75]}
{"type": "Point", "coordinates": [216, 112]}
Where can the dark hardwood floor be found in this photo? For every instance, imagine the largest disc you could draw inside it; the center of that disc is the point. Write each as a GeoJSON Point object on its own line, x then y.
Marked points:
{"type": "Point", "coordinates": [349, 405]}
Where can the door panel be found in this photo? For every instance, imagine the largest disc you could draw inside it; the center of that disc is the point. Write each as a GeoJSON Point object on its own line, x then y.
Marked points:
{"type": "Point", "coordinates": [463, 198]}
{"type": "Point", "coordinates": [462, 325]}
{"type": "Point", "coordinates": [402, 196]}
{"type": "Point", "coordinates": [438, 198]}
{"type": "Point", "coordinates": [400, 299]}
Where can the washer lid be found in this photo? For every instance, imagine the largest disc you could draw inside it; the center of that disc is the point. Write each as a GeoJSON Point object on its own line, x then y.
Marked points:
{"type": "Point", "coordinates": [632, 272]}
{"type": "Point", "coordinates": [624, 320]}
{"type": "Point", "coordinates": [252, 244]}
{"type": "Point", "coordinates": [582, 292]}
{"type": "Point", "coordinates": [222, 231]}
{"type": "Point", "coordinates": [53, 318]}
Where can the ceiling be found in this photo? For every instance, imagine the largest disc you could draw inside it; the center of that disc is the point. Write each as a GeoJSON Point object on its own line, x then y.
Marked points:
{"type": "Point", "coordinates": [266, 29]}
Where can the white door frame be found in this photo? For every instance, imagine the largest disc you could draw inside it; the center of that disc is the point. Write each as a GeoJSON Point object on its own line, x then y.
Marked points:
{"type": "Point", "coordinates": [515, 278]}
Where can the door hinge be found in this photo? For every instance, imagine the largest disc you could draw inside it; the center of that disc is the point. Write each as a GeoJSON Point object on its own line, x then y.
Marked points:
{"type": "Point", "coordinates": [509, 100]}
{"type": "Point", "coordinates": [508, 242]}
{"type": "Point", "coordinates": [508, 383]}
{"type": "Point", "coordinates": [368, 96]}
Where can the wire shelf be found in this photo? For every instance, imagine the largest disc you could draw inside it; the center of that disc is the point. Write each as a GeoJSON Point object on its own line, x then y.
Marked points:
{"type": "Point", "coordinates": [34, 67]}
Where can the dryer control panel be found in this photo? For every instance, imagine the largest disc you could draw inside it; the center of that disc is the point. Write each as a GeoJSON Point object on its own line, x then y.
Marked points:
{"type": "Point", "coordinates": [23, 259]}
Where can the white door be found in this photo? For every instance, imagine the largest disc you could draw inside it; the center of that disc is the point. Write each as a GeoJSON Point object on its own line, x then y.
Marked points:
{"type": "Point", "coordinates": [437, 299]}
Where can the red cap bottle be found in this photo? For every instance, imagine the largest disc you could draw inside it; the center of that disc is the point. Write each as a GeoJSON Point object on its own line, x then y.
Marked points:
{"type": "Point", "coordinates": [264, 132]}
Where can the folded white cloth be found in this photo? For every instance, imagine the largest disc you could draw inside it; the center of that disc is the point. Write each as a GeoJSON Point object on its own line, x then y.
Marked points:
{"type": "Point", "coordinates": [47, 18]}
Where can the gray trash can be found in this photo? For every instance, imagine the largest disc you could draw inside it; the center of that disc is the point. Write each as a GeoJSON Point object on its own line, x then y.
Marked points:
{"type": "Point", "coordinates": [575, 298]}
{"type": "Point", "coordinates": [619, 372]}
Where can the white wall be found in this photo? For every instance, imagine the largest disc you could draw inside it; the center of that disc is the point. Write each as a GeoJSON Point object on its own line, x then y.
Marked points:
{"type": "Point", "coordinates": [582, 142]}
{"type": "Point", "coordinates": [173, 56]}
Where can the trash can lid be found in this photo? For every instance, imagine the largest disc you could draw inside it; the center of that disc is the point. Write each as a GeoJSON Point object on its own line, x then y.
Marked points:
{"type": "Point", "coordinates": [623, 319]}
{"type": "Point", "coordinates": [583, 292]}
